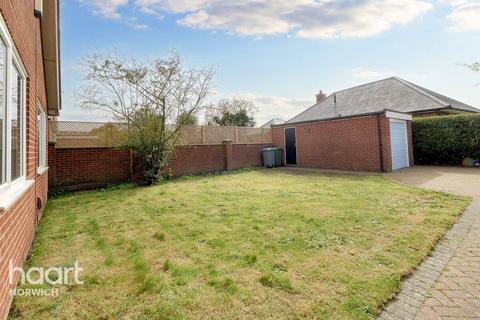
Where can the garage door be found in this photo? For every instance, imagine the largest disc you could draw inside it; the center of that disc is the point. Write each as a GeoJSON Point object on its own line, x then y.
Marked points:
{"type": "Point", "coordinates": [398, 139]}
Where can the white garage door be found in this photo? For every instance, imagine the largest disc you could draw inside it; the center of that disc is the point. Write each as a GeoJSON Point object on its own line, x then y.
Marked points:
{"type": "Point", "coordinates": [398, 139]}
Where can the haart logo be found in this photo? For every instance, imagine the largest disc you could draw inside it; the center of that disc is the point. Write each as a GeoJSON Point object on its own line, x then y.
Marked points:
{"type": "Point", "coordinates": [39, 276]}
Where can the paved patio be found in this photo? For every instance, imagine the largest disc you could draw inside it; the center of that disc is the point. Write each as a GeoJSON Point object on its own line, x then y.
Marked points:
{"type": "Point", "coordinates": [447, 284]}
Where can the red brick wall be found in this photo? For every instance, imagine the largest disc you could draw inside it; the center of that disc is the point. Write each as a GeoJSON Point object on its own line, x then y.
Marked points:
{"type": "Point", "coordinates": [198, 159]}
{"type": "Point", "coordinates": [386, 145]}
{"type": "Point", "coordinates": [248, 155]}
{"type": "Point", "coordinates": [17, 227]}
{"type": "Point", "coordinates": [410, 143]}
{"type": "Point", "coordinates": [18, 223]}
{"type": "Point", "coordinates": [75, 169]}
{"type": "Point", "coordinates": [345, 144]}
{"type": "Point", "coordinates": [88, 167]}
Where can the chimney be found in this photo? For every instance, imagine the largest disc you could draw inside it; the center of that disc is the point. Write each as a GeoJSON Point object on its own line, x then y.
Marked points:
{"type": "Point", "coordinates": [320, 96]}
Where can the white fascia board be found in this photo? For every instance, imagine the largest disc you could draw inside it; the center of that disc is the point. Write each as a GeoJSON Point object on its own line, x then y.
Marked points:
{"type": "Point", "coordinates": [398, 116]}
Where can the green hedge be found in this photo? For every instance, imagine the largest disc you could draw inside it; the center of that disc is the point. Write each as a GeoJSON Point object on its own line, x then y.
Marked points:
{"type": "Point", "coordinates": [446, 140]}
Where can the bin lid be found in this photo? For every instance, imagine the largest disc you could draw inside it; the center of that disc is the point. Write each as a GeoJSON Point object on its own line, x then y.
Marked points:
{"type": "Point", "coordinates": [269, 149]}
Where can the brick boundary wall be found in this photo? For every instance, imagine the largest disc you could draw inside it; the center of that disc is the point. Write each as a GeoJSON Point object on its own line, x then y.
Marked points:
{"type": "Point", "coordinates": [87, 168]}
{"type": "Point", "coordinates": [343, 144]}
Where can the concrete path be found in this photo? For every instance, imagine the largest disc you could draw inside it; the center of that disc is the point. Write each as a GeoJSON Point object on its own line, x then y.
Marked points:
{"type": "Point", "coordinates": [447, 284]}
{"type": "Point", "coordinates": [456, 180]}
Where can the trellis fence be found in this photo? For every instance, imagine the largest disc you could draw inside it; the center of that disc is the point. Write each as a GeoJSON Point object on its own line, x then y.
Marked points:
{"type": "Point", "coordinates": [74, 134]}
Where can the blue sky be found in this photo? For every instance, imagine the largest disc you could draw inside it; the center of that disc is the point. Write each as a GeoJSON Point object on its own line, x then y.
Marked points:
{"type": "Point", "coordinates": [279, 53]}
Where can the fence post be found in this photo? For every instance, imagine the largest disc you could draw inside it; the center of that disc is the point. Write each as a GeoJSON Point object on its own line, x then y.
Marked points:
{"type": "Point", "coordinates": [228, 149]}
{"type": "Point", "coordinates": [203, 134]}
{"type": "Point", "coordinates": [236, 134]}
{"type": "Point", "coordinates": [109, 133]}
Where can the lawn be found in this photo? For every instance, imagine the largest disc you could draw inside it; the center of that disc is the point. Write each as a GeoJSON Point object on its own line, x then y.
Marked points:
{"type": "Point", "coordinates": [250, 244]}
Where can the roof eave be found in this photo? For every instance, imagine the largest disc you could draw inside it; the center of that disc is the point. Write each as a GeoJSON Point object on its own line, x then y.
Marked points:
{"type": "Point", "coordinates": [337, 118]}
{"type": "Point", "coordinates": [448, 108]}
{"type": "Point", "coordinates": [452, 108]}
{"type": "Point", "coordinates": [51, 55]}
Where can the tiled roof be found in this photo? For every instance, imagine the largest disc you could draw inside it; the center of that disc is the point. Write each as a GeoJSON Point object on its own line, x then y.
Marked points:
{"type": "Point", "coordinates": [394, 94]}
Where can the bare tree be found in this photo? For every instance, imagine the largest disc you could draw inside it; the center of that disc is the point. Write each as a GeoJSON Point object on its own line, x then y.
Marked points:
{"type": "Point", "coordinates": [150, 98]}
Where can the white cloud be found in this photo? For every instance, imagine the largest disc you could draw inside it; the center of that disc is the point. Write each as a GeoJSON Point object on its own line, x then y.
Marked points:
{"type": "Point", "coordinates": [302, 18]}
{"type": "Point", "coordinates": [139, 26]}
{"type": "Point", "coordinates": [110, 9]}
{"type": "Point", "coordinates": [367, 74]}
{"type": "Point", "coordinates": [364, 75]}
{"type": "Point", "coordinates": [135, 24]}
{"type": "Point", "coordinates": [465, 15]}
{"type": "Point", "coordinates": [105, 8]}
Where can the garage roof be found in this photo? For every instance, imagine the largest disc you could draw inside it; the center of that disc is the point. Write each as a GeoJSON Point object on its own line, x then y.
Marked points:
{"type": "Point", "coordinates": [391, 93]}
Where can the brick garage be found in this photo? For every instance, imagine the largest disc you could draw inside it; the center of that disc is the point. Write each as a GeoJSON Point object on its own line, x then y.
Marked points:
{"type": "Point", "coordinates": [85, 168]}
{"type": "Point", "coordinates": [360, 143]}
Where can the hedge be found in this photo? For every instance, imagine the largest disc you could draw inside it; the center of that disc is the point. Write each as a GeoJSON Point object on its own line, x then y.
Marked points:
{"type": "Point", "coordinates": [446, 140]}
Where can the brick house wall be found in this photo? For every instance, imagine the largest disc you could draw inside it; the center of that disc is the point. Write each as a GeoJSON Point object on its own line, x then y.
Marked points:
{"type": "Point", "coordinates": [343, 144]}
{"type": "Point", "coordinates": [85, 168]}
{"type": "Point", "coordinates": [19, 221]}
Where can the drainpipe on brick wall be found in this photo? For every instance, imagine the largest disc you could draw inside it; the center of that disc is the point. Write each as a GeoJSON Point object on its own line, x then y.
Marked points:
{"type": "Point", "coordinates": [228, 149]}
{"type": "Point", "coordinates": [380, 142]}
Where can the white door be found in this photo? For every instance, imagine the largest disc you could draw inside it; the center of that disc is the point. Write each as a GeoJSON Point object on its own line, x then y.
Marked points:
{"type": "Point", "coordinates": [399, 143]}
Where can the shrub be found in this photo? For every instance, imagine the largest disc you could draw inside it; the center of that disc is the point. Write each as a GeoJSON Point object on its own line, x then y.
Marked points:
{"type": "Point", "coordinates": [446, 140]}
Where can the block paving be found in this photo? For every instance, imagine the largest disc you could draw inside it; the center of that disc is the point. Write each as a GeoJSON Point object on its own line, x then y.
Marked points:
{"type": "Point", "coordinates": [446, 285]}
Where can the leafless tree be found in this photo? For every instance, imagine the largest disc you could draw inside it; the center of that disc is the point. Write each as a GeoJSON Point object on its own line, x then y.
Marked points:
{"type": "Point", "coordinates": [150, 98]}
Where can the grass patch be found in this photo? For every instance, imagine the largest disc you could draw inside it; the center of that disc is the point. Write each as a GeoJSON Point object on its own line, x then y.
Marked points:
{"type": "Point", "coordinates": [276, 281]}
{"type": "Point", "coordinates": [253, 244]}
{"type": "Point", "coordinates": [159, 236]}
{"type": "Point", "coordinates": [226, 285]}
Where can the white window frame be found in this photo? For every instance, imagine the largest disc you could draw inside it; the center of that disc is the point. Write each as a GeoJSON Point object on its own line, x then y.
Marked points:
{"type": "Point", "coordinates": [3, 155]}
{"type": "Point", "coordinates": [42, 140]}
{"type": "Point", "coordinates": [12, 188]}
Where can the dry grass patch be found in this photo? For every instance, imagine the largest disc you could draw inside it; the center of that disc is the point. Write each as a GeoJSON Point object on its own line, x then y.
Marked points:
{"type": "Point", "coordinates": [252, 244]}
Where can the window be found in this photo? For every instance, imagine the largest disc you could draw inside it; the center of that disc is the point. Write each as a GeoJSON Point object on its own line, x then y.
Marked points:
{"type": "Point", "coordinates": [42, 140]}
{"type": "Point", "coordinates": [12, 113]}
{"type": "Point", "coordinates": [16, 134]}
{"type": "Point", "coordinates": [3, 58]}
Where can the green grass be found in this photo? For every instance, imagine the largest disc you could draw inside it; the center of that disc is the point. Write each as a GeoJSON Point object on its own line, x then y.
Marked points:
{"type": "Point", "coordinates": [252, 244]}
